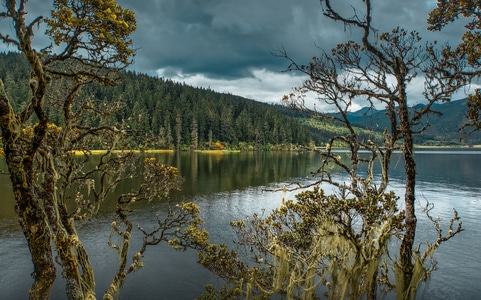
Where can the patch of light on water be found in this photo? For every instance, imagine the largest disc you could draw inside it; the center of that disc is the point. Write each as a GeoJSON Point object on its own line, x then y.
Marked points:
{"type": "Point", "coordinates": [456, 256]}
{"type": "Point", "coordinates": [166, 273]}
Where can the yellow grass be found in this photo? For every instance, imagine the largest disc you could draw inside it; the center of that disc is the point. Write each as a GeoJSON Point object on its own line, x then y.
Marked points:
{"type": "Point", "coordinates": [80, 152]}
{"type": "Point", "coordinates": [158, 151]}
{"type": "Point", "coordinates": [216, 151]}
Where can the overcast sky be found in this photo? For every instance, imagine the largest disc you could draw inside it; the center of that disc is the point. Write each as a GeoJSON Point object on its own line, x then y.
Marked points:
{"type": "Point", "coordinates": [228, 45]}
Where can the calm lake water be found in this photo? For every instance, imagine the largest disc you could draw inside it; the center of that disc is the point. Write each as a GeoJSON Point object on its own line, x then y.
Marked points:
{"type": "Point", "coordinates": [232, 186]}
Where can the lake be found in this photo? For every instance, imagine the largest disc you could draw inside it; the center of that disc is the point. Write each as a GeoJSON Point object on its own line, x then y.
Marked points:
{"type": "Point", "coordinates": [231, 186]}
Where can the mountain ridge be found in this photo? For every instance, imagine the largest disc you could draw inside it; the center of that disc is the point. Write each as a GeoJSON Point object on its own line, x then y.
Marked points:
{"type": "Point", "coordinates": [444, 128]}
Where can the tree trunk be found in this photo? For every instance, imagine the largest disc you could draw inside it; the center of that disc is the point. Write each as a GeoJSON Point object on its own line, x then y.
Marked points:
{"type": "Point", "coordinates": [34, 225]}
{"type": "Point", "coordinates": [76, 267]}
{"type": "Point", "coordinates": [29, 211]}
{"type": "Point", "coordinates": [405, 251]}
{"type": "Point", "coordinates": [372, 288]}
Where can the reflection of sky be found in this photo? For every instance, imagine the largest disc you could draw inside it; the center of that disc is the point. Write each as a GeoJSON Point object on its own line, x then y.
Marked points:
{"type": "Point", "coordinates": [452, 168]}
{"type": "Point", "coordinates": [445, 179]}
{"type": "Point", "coordinates": [455, 169]}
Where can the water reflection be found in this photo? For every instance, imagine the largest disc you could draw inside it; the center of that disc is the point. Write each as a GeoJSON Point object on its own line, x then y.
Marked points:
{"type": "Point", "coordinates": [214, 172]}
{"type": "Point", "coordinates": [233, 185]}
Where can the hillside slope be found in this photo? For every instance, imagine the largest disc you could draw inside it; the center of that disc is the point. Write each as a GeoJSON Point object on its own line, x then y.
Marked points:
{"type": "Point", "coordinates": [174, 114]}
{"type": "Point", "coordinates": [178, 115]}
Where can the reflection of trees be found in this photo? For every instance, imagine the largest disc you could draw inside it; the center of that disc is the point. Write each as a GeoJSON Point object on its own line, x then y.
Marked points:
{"type": "Point", "coordinates": [344, 244]}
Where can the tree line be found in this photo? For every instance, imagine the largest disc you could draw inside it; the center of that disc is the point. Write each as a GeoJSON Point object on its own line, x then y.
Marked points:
{"type": "Point", "coordinates": [174, 115]}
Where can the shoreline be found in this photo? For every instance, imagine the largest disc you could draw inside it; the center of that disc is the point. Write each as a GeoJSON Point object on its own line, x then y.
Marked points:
{"type": "Point", "coordinates": [81, 152]}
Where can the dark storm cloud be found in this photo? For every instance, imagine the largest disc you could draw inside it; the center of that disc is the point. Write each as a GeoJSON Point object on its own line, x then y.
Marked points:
{"type": "Point", "coordinates": [222, 38]}
{"type": "Point", "coordinates": [230, 38]}
{"type": "Point", "coordinates": [227, 45]}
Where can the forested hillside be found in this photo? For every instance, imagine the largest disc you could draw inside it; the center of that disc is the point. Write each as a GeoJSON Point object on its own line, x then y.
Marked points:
{"type": "Point", "coordinates": [177, 115]}
{"type": "Point", "coordinates": [172, 114]}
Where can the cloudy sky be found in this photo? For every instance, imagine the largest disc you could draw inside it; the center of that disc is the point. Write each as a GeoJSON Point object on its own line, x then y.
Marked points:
{"type": "Point", "coordinates": [228, 45]}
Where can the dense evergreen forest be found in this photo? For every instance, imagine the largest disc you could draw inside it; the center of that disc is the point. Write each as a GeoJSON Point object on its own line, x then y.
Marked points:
{"type": "Point", "coordinates": [169, 115]}
{"type": "Point", "coordinates": [181, 115]}
{"type": "Point", "coordinates": [175, 115]}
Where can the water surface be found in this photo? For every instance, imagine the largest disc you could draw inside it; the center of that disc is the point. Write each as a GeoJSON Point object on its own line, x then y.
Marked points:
{"type": "Point", "coordinates": [232, 186]}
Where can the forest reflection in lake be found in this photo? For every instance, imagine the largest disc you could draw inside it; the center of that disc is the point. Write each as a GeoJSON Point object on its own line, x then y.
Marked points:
{"type": "Point", "coordinates": [230, 186]}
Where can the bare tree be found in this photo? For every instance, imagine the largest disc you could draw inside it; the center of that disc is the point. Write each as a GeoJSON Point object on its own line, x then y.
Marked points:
{"type": "Point", "coordinates": [338, 244]}
{"type": "Point", "coordinates": [379, 70]}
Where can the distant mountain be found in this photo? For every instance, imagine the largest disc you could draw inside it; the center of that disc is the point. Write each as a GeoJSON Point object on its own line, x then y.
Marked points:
{"type": "Point", "coordinates": [443, 128]}
{"type": "Point", "coordinates": [361, 114]}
